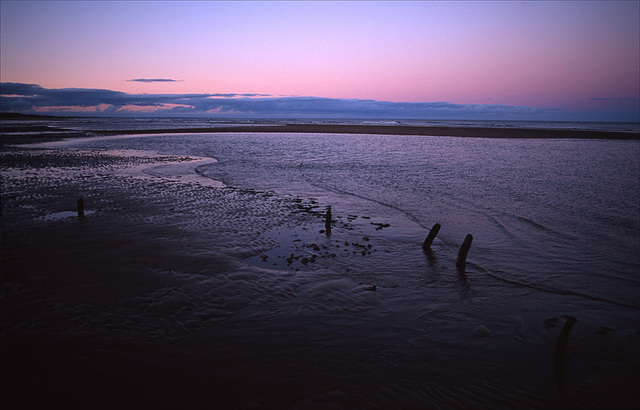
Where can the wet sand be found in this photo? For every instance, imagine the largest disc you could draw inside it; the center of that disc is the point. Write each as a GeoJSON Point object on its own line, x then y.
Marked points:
{"type": "Point", "coordinates": [92, 306]}
{"type": "Point", "coordinates": [148, 301]}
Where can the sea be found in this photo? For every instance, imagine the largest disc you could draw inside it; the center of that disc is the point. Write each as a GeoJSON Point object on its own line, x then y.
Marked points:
{"type": "Point", "coordinates": [555, 227]}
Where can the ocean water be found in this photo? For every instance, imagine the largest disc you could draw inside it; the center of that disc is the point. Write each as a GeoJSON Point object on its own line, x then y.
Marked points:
{"type": "Point", "coordinates": [559, 216]}
{"type": "Point", "coordinates": [137, 123]}
{"type": "Point", "coordinates": [556, 234]}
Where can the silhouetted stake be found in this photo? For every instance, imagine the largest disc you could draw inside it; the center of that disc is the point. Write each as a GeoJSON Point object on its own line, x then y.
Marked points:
{"type": "Point", "coordinates": [327, 221]}
{"type": "Point", "coordinates": [80, 208]}
{"type": "Point", "coordinates": [432, 235]}
{"type": "Point", "coordinates": [462, 253]}
{"type": "Point", "coordinates": [558, 356]}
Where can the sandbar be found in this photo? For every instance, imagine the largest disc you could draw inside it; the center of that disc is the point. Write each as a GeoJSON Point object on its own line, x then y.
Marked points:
{"type": "Point", "coordinates": [478, 132]}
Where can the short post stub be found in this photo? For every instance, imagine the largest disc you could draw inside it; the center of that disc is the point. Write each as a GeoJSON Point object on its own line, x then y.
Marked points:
{"type": "Point", "coordinates": [80, 208]}
{"type": "Point", "coordinates": [432, 235]}
{"type": "Point", "coordinates": [464, 250]}
{"type": "Point", "coordinates": [327, 221]}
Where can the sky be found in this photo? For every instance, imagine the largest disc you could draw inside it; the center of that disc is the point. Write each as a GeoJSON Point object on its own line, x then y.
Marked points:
{"type": "Point", "coordinates": [513, 60]}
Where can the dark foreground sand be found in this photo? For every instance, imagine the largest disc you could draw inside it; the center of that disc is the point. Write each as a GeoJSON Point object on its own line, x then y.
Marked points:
{"type": "Point", "coordinates": [119, 309]}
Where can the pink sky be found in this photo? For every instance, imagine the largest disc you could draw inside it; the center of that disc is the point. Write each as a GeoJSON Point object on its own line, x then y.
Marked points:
{"type": "Point", "coordinates": [542, 54]}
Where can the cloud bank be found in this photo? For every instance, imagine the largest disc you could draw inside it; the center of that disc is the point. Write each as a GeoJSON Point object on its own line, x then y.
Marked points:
{"type": "Point", "coordinates": [32, 98]}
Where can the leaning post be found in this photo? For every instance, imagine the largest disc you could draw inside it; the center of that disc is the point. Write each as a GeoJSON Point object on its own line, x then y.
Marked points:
{"type": "Point", "coordinates": [462, 254]}
{"type": "Point", "coordinates": [426, 245]}
{"type": "Point", "coordinates": [558, 355]}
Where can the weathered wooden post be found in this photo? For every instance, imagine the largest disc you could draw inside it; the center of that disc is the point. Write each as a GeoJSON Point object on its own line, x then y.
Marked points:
{"type": "Point", "coordinates": [461, 261]}
{"type": "Point", "coordinates": [80, 208]}
{"type": "Point", "coordinates": [558, 355]}
{"type": "Point", "coordinates": [426, 245]}
{"type": "Point", "coordinates": [327, 221]}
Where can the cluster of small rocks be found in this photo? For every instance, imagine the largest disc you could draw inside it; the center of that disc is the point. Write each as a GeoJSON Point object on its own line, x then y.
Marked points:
{"type": "Point", "coordinates": [311, 252]}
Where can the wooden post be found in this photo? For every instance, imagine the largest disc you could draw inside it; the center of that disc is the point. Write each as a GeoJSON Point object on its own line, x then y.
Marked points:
{"type": "Point", "coordinates": [80, 208]}
{"type": "Point", "coordinates": [462, 254]}
{"type": "Point", "coordinates": [558, 355]}
{"type": "Point", "coordinates": [432, 235]}
{"type": "Point", "coordinates": [327, 221]}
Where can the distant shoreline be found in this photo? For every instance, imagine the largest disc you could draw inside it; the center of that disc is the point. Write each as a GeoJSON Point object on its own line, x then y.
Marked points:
{"type": "Point", "coordinates": [477, 132]}
{"type": "Point", "coordinates": [443, 131]}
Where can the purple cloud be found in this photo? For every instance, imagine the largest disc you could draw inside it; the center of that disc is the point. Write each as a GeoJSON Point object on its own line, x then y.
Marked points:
{"type": "Point", "coordinates": [25, 98]}
{"type": "Point", "coordinates": [154, 80]}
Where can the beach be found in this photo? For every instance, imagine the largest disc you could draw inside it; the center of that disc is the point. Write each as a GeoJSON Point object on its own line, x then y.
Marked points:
{"type": "Point", "coordinates": [80, 293]}
{"type": "Point", "coordinates": [319, 205]}
{"type": "Point", "coordinates": [179, 290]}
